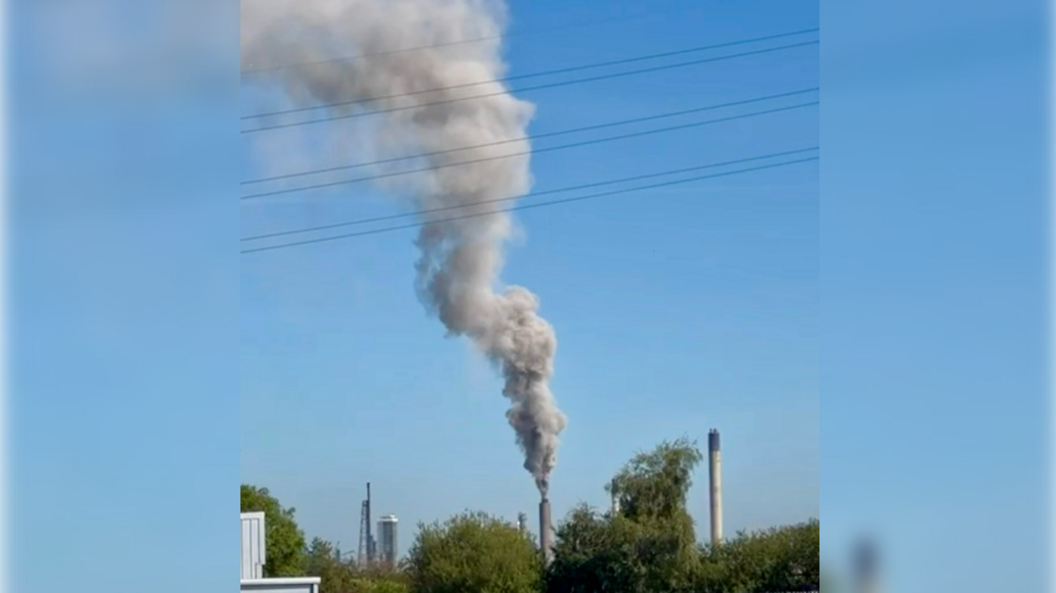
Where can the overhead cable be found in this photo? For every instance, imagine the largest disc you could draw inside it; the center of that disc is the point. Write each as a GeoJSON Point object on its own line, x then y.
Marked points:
{"type": "Point", "coordinates": [566, 70]}
{"type": "Point", "coordinates": [531, 137]}
{"type": "Point", "coordinates": [527, 152]}
{"type": "Point", "coordinates": [426, 211]}
{"type": "Point", "coordinates": [530, 88]}
{"type": "Point", "coordinates": [526, 206]}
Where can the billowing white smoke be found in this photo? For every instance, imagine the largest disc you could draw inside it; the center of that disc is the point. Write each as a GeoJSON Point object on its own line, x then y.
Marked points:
{"type": "Point", "coordinates": [458, 272]}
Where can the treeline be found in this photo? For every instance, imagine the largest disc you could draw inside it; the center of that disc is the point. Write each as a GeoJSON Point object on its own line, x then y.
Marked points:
{"type": "Point", "coordinates": [648, 546]}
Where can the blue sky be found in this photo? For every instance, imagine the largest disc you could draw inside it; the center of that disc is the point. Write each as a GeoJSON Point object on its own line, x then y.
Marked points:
{"type": "Point", "coordinates": [676, 310]}
{"type": "Point", "coordinates": [936, 256]}
{"type": "Point", "coordinates": [123, 294]}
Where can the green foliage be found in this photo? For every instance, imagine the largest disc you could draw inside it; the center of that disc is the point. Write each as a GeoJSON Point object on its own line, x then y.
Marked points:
{"type": "Point", "coordinates": [654, 485]}
{"type": "Point", "coordinates": [649, 546]}
{"type": "Point", "coordinates": [321, 561]}
{"type": "Point", "coordinates": [284, 540]}
{"type": "Point", "coordinates": [339, 576]}
{"type": "Point", "coordinates": [473, 553]}
{"type": "Point", "coordinates": [376, 585]}
{"type": "Point", "coordinates": [778, 559]}
{"type": "Point", "coordinates": [380, 579]}
{"type": "Point", "coordinates": [594, 553]}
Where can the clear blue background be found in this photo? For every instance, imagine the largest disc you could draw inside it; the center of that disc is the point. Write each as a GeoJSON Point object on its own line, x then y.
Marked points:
{"type": "Point", "coordinates": [676, 310]}
{"type": "Point", "coordinates": [935, 295]}
{"type": "Point", "coordinates": [122, 398]}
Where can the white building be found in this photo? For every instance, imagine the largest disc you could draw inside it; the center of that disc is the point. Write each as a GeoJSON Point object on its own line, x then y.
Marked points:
{"type": "Point", "coordinates": [254, 559]}
{"type": "Point", "coordinates": [388, 550]}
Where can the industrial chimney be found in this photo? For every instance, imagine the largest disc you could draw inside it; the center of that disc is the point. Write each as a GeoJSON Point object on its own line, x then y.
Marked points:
{"type": "Point", "coordinates": [615, 498]}
{"type": "Point", "coordinates": [546, 531]}
{"type": "Point", "coordinates": [522, 522]}
{"type": "Point", "coordinates": [715, 478]}
{"type": "Point", "coordinates": [370, 536]}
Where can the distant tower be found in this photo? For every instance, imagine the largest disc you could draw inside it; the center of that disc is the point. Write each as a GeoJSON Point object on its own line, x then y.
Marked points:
{"type": "Point", "coordinates": [366, 539]}
{"type": "Point", "coordinates": [615, 498]}
{"type": "Point", "coordinates": [715, 478]}
{"type": "Point", "coordinates": [522, 522]}
{"type": "Point", "coordinates": [364, 543]}
{"type": "Point", "coordinates": [387, 528]}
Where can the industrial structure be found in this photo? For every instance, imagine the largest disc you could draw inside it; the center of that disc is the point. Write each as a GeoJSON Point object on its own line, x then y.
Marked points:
{"type": "Point", "coordinates": [365, 555]}
{"type": "Point", "coordinates": [546, 531]}
{"type": "Point", "coordinates": [615, 498]}
{"type": "Point", "coordinates": [389, 550]}
{"type": "Point", "coordinates": [522, 522]}
{"type": "Point", "coordinates": [715, 480]}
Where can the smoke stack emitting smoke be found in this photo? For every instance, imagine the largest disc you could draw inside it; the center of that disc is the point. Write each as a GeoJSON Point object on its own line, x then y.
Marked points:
{"type": "Point", "coordinates": [546, 531]}
{"type": "Point", "coordinates": [460, 262]}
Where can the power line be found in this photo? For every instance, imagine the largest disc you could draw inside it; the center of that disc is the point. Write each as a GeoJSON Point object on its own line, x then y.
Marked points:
{"type": "Point", "coordinates": [536, 74]}
{"type": "Point", "coordinates": [530, 138]}
{"type": "Point", "coordinates": [527, 206]}
{"type": "Point", "coordinates": [583, 24]}
{"type": "Point", "coordinates": [527, 152]}
{"type": "Point", "coordinates": [532, 195]}
{"type": "Point", "coordinates": [533, 88]}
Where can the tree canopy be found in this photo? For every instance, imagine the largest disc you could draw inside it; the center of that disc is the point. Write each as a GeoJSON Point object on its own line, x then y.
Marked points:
{"type": "Point", "coordinates": [473, 553]}
{"type": "Point", "coordinates": [654, 484]}
{"type": "Point", "coordinates": [648, 546]}
{"type": "Point", "coordinates": [284, 540]}
{"type": "Point", "coordinates": [777, 559]}
{"type": "Point", "coordinates": [339, 575]}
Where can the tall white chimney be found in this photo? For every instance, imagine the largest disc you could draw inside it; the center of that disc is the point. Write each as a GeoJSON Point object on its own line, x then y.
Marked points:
{"type": "Point", "coordinates": [715, 478]}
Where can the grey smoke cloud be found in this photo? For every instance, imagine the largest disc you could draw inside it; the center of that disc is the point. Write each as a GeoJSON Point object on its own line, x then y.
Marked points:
{"type": "Point", "coordinates": [458, 272]}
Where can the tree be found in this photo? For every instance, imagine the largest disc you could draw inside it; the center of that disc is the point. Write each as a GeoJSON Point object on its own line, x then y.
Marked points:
{"type": "Point", "coordinates": [377, 585]}
{"type": "Point", "coordinates": [473, 553]}
{"type": "Point", "coordinates": [777, 559]}
{"type": "Point", "coordinates": [321, 561]}
{"type": "Point", "coordinates": [284, 540]}
{"type": "Point", "coordinates": [379, 578]}
{"type": "Point", "coordinates": [654, 485]}
{"type": "Point", "coordinates": [320, 557]}
{"type": "Point", "coordinates": [596, 554]}
{"type": "Point", "coordinates": [339, 576]}
{"type": "Point", "coordinates": [649, 546]}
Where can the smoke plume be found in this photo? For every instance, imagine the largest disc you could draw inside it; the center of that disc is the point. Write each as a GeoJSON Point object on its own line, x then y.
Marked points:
{"type": "Point", "coordinates": [458, 273]}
